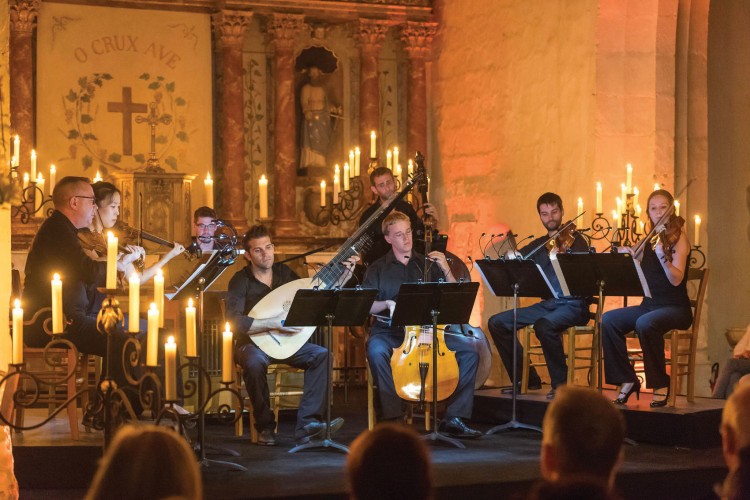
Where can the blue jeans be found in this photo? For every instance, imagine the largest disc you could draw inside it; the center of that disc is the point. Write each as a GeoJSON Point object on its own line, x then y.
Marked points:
{"type": "Point", "coordinates": [650, 323]}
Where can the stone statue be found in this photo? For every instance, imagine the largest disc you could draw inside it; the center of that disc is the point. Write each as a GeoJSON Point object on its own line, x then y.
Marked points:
{"type": "Point", "coordinates": [316, 122]}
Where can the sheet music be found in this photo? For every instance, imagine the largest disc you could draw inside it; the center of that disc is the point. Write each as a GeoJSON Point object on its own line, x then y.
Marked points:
{"type": "Point", "coordinates": [642, 277]}
{"type": "Point", "coordinates": [207, 258]}
{"type": "Point", "coordinates": [499, 293]}
{"type": "Point", "coordinates": [549, 285]}
{"type": "Point", "coordinates": [559, 274]}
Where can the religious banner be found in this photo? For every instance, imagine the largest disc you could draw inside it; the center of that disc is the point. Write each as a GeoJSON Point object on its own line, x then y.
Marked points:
{"type": "Point", "coordinates": [123, 90]}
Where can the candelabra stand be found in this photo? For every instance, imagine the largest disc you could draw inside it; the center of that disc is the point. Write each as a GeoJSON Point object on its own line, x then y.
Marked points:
{"type": "Point", "coordinates": [697, 257]}
{"type": "Point", "coordinates": [33, 203]}
{"type": "Point", "coordinates": [348, 207]}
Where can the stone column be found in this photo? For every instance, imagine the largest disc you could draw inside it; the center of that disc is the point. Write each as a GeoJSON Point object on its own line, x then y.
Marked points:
{"type": "Point", "coordinates": [282, 29]}
{"type": "Point", "coordinates": [417, 38]}
{"type": "Point", "coordinates": [21, 67]}
{"type": "Point", "coordinates": [229, 27]}
{"type": "Point", "coordinates": [370, 35]}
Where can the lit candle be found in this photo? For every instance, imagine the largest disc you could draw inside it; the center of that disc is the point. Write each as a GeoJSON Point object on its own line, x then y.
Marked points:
{"type": "Point", "coordinates": [209, 191]}
{"type": "Point", "coordinates": [52, 178]}
{"type": "Point", "coordinates": [111, 261]}
{"type": "Point", "coordinates": [373, 145]}
{"type": "Point", "coordinates": [351, 163]}
{"type": "Point", "coordinates": [616, 217]}
{"type": "Point", "coordinates": [410, 168]}
{"type": "Point", "coordinates": [322, 193]}
{"type": "Point", "coordinates": [159, 295]}
{"type": "Point", "coordinates": [346, 177]}
{"type": "Point", "coordinates": [17, 332]}
{"type": "Point", "coordinates": [16, 150]}
{"type": "Point", "coordinates": [629, 178]}
{"type": "Point", "coordinates": [395, 155]}
{"type": "Point", "coordinates": [642, 227]}
{"type": "Point", "coordinates": [697, 230]}
{"type": "Point", "coordinates": [618, 201]}
{"type": "Point", "coordinates": [170, 370]}
{"type": "Point", "coordinates": [39, 198]}
{"type": "Point", "coordinates": [580, 207]}
{"type": "Point", "coordinates": [226, 360]}
{"type": "Point", "coordinates": [397, 173]}
{"type": "Point", "coordinates": [134, 306]}
{"type": "Point", "coordinates": [638, 210]}
{"type": "Point", "coordinates": [599, 198]}
{"type": "Point", "coordinates": [32, 175]}
{"type": "Point", "coordinates": [190, 329]}
{"type": "Point", "coordinates": [623, 192]}
{"type": "Point", "coordinates": [98, 177]}
{"type": "Point", "coordinates": [152, 336]}
{"type": "Point", "coordinates": [336, 185]}
{"type": "Point", "coordinates": [676, 207]}
{"type": "Point", "coordinates": [263, 190]}
{"type": "Point", "coordinates": [357, 158]}
{"type": "Point", "coordinates": [57, 304]}
{"type": "Point", "coordinates": [389, 160]}
{"type": "Point", "coordinates": [25, 180]}
{"type": "Point", "coordinates": [636, 192]}
{"type": "Point", "coordinates": [657, 187]}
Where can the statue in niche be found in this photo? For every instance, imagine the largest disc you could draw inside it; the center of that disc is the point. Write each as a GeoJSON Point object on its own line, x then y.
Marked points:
{"type": "Point", "coordinates": [318, 108]}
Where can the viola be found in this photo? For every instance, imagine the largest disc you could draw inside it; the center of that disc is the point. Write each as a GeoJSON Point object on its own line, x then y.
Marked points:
{"type": "Point", "coordinates": [669, 235]}
{"type": "Point", "coordinates": [565, 237]}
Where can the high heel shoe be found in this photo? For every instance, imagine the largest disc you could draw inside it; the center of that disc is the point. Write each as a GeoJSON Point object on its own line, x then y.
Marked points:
{"type": "Point", "coordinates": [624, 396]}
{"type": "Point", "coordinates": [661, 402]}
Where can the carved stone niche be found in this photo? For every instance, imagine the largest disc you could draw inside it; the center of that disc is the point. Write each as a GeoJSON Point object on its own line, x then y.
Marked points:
{"type": "Point", "coordinates": [167, 211]}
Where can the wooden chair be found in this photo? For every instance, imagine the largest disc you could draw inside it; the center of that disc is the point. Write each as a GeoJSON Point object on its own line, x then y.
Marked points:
{"type": "Point", "coordinates": [682, 343]}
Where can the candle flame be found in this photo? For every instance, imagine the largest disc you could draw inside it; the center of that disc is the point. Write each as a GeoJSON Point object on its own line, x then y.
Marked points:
{"type": "Point", "coordinates": [190, 302]}
{"type": "Point", "coordinates": [170, 340]}
{"type": "Point", "coordinates": [152, 307]}
{"type": "Point", "coordinates": [52, 169]}
{"type": "Point", "coordinates": [226, 328]}
{"type": "Point", "coordinates": [208, 177]}
{"type": "Point", "coordinates": [56, 277]}
{"type": "Point", "coordinates": [17, 304]}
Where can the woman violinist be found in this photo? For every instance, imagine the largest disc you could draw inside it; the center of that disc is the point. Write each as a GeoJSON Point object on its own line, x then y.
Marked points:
{"type": "Point", "coordinates": [664, 261]}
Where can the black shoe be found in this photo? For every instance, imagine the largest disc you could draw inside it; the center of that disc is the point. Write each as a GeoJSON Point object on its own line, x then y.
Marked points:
{"type": "Point", "coordinates": [661, 402]}
{"type": "Point", "coordinates": [317, 430]}
{"type": "Point", "coordinates": [551, 393]}
{"type": "Point", "coordinates": [455, 427]}
{"type": "Point", "coordinates": [93, 421]}
{"type": "Point", "coordinates": [625, 395]}
{"type": "Point", "coordinates": [267, 437]}
{"type": "Point", "coordinates": [533, 386]}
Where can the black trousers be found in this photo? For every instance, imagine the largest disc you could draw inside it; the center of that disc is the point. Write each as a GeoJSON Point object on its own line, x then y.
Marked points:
{"type": "Point", "coordinates": [550, 319]}
{"type": "Point", "coordinates": [311, 358]}
{"type": "Point", "coordinates": [379, 351]}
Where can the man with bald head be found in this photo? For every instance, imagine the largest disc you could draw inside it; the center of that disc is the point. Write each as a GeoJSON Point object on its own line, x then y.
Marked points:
{"type": "Point", "coordinates": [735, 442]}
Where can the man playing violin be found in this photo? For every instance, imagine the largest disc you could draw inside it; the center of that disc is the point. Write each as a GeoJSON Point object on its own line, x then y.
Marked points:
{"type": "Point", "coordinates": [550, 317]}
{"type": "Point", "coordinates": [402, 265]}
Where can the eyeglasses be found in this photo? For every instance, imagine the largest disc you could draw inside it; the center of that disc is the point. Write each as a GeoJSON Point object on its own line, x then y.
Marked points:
{"type": "Point", "coordinates": [91, 198]}
{"type": "Point", "coordinates": [210, 226]}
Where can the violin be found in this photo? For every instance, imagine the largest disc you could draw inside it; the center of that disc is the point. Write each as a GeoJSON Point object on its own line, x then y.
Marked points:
{"type": "Point", "coordinates": [565, 238]}
{"type": "Point", "coordinates": [669, 235]}
{"type": "Point", "coordinates": [134, 234]}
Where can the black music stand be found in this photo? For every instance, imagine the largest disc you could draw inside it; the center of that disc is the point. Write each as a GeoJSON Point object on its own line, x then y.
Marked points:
{"type": "Point", "coordinates": [334, 307]}
{"type": "Point", "coordinates": [430, 304]}
{"type": "Point", "coordinates": [515, 278]}
{"type": "Point", "coordinates": [602, 274]}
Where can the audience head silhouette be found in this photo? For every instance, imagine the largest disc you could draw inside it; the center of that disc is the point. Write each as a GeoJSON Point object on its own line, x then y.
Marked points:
{"type": "Point", "coordinates": [391, 462]}
{"type": "Point", "coordinates": [148, 462]}
{"type": "Point", "coordinates": [735, 441]}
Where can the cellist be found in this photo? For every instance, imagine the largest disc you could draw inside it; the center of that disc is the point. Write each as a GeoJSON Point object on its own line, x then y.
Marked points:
{"type": "Point", "coordinates": [403, 265]}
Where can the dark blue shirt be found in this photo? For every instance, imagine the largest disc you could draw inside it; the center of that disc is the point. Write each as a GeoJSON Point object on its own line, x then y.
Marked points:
{"type": "Point", "coordinates": [541, 258]}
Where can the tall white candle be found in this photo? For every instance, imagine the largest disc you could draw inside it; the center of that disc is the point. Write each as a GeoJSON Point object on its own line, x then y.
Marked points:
{"type": "Point", "coordinates": [336, 185]}
{"type": "Point", "coordinates": [226, 359]}
{"type": "Point", "coordinates": [599, 198]}
{"type": "Point", "coordinates": [397, 171]}
{"type": "Point", "coordinates": [638, 210]}
{"type": "Point", "coordinates": [190, 329]}
{"type": "Point", "coordinates": [623, 193]}
{"type": "Point", "coordinates": [52, 178]}
{"type": "Point", "coordinates": [25, 180]}
{"type": "Point", "coordinates": [134, 305]}
{"type": "Point", "coordinates": [373, 145]}
{"type": "Point", "coordinates": [697, 230]}
{"type": "Point", "coordinates": [208, 183]}
{"type": "Point", "coordinates": [97, 177]}
{"type": "Point", "coordinates": [57, 304]}
{"type": "Point", "coordinates": [39, 198]}
{"type": "Point", "coordinates": [629, 177]}
{"type": "Point", "coordinates": [618, 202]}
{"type": "Point", "coordinates": [17, 332]}
{"type": "Point", "coordinates": [263, 192]}
{"type": "Point", "coordinates": [170, 370]}
{"type": "Point", "coordinates": [16, 150]}
{"type": "Point", "coordinates": [395, 155]}
{"type": "Point", "coordinates": [410, 168]}
{"type": "Point", "coordinates": [32, 175]}
{"type": "Point", "coordinates": [346, 177]}
{"type": "Point", "coordinates": [111, 261]}
{"type": "Point", "coordinates": [676, 207]}
{"type": "Point", "coordinates": [351, 163]}
{"type": "Point", "coordinates": [616, 217]}
{"type": "Point", "coordinates": [357, 159]}
{"type": "Point", "coordinates": [322, 193]}
{"type": "Point", "coordinates": [159, 295]}
{"type": "Point", "coordinates": [580, 208]}
{"type": "Point", "coordinates": [641, 226]}
{"type": "Point", "coordinates": [389, 160]}
{"type": "Point", "coordinates": [152, 335]}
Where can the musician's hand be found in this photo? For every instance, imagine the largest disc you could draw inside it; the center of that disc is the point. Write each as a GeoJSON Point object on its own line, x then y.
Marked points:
{"type": "Point", "coordinates": [659, 250]}
{"type": "Point", "coordinates": [511, 254]}
{"type": "Point", "coordinates": [431, 210]}
{"type": "Point", "coordinates": [391, 306]}
{"type": "Point", "coordinates": [177, 250]}
{"type": "Point", "coordinates": [351, 262]}
{"type": "Point", "coordinates": [625, 250]}
{"type": "Point", "coordinates": [272, 323]}
{"type": "Point", "coordinates": [439, 259]}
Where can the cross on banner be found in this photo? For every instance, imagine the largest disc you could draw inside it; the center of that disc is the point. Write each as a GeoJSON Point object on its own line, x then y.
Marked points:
{"type": "Point", "coordinates": [127, 107]}
{"type": "Point", "coordinates": [153, 119]}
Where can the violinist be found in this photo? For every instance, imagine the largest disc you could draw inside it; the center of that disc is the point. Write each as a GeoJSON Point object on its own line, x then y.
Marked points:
{"type": "Point", "coordinates": [402, 265]}
{"type": "Point", "coordinates": [664, 263]}
{"type": "Point", "coordinates": [550, 317]}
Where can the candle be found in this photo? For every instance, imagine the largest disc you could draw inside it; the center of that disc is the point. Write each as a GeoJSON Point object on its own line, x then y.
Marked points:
{"type": "Point", "coordinates": [134, 305]}
{"type": "Point", "coordinates": [629, 178]}
{"type": "Point", "coordinates": [657, 187]}
{"type": "Point", "coordinates": [17, 332]}
{"type": "Point", "coordinates": [395, 155]}
{"type": "Point", "coordinates": [599, 198]}
{"type": "Point", "coordinates": [32, 175]}
{"type": "Point", "coordinates": [226, 360]}
{"type": "Point", "coordinates": [676, 207]}
{"type": "Point", "coordinates": [52, 178]}
{"type": "Point", "coordinates": [209, 191]}
{"type": "Point", "coordinates": [616, 217]}
{"type": "Point", "coordinates": [636, 192]}
{"type": "Point", "coordinates": [111, 261]}
{"type": "Point", "coordinates": [152, 336]}
{"type": "Point", "coordinates": [389, 160]}
{"type": "Point", "coordinates": [398, 171]}
{"type": "Point", "coordinates": [410, 168]}
{"type": "Point", "coordinates": [57, 305]}
{"type": "Point", "coordinates": [618, 201]}
{"type": "Point", "coordinates": [336, 185]}
{"type": "Point", "coordinates": [638, 210]}
{"type": "Point", "coordinates": [170, 370]}
{"type": "Point", "coordinates": [580, 207]}
{"type": "Point", "coordinates": [190, 329]}
{"type": "Point", "coordinates": [159, 295]}
{"type": "Point", "coordinates": [322, 193]}
{"type": "Point", "coordinates": [623, 192]}
{"type": "Point", "coordinates": [39, 198]}
{"type": "Point", "coordinates": [98, 177]}
{"type": "Point", "coordinates": [351, 163]}
{"type": "Point", "coordinates": [641, 226]}
{"type": "Point", "coordinates": [373, 145]}
{"type": "Point", "coordinates": [346, 177]}
{"type": "Point", "coordinates": [357, 157]}
{"type": "Point", "coordinates": [25, 180]}
{"type": "Point", "coordinates": [697, 230]}
{"type": "Point", "coordinates": [263, 190]}
{"type": "Point", "coordinates": [16, 150]}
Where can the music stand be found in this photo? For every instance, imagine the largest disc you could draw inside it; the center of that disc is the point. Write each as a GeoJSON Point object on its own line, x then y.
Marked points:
{"type": "Point", "coordinates": [428, 304]}
{"type": "Point", "coordinates": [335, 307]}
{"type": "Point", "coordinates": [515, 278]}
{"type": "Point", "coordinates": [602, 274]}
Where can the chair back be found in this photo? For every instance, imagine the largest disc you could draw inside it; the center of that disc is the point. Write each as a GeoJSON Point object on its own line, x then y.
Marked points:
{"type": "Point", "coordinates": [699, 279]}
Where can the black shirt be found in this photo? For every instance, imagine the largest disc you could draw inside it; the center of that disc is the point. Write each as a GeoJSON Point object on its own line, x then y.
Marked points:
{"type": "Point", "coordinates": [244, 291]}
{"type": "Point", "coordinates": [388, 274]}
{"type": "Point", "coordinates": [541, 257]}
{"type": "Point", "coordinates": [663, 292]}
{"type": "Point", "coordinates": [379, 246]}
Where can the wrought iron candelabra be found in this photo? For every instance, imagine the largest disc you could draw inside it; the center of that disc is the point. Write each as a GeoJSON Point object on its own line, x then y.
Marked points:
{"type": "Point", "coordinates": [33, 203]}
{"type": "Point", "coordinates": [347, 208]}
